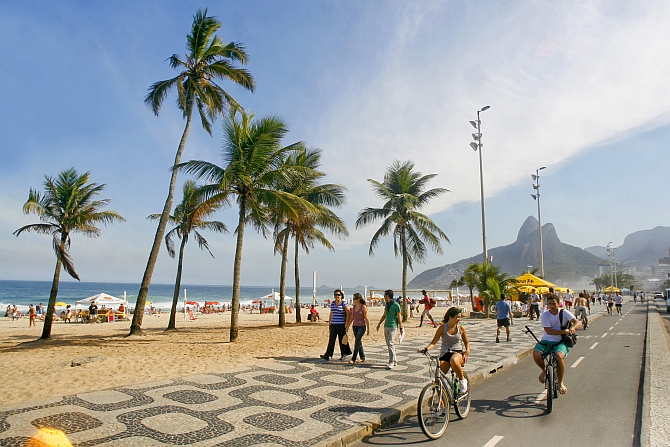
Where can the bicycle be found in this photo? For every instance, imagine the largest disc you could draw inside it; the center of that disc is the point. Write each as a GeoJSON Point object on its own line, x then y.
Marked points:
{"type": "Point", "coordinates": [551, 378]}
{"type": "Point", "coordinates": [583, 318]}
{"type": "Point", "coordinates": [436, 399]}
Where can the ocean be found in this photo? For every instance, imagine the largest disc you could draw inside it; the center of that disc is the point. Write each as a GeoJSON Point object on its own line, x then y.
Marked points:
{"type": "Point", "coordinates": [24, 293]}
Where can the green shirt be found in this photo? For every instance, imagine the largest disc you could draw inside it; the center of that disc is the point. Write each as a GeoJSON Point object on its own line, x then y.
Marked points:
{"type": "Point", "coordinates": [392, 315]}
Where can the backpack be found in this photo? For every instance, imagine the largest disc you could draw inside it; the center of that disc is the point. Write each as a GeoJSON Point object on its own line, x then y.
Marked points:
{"type": "Point", "coordinates": [567, 339]}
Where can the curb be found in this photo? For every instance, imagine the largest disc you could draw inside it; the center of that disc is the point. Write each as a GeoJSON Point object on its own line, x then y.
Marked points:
{"type": "Point", "coordinates": [645, 416]}
{"type": "Point", "coordinates": [356, 434]}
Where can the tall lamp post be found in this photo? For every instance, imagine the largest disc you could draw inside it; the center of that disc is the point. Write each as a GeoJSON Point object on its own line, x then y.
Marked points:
{"type": "Point", "coordinates": [610, 255]}
{"type": "Point", "coordinates": [477, 146]}
{"type": "Point", "coordinates": [536, 197]}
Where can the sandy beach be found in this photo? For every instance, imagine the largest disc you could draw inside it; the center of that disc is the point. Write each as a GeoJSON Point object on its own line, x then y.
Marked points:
{"type": "Point", "coordinates": [85, 357]}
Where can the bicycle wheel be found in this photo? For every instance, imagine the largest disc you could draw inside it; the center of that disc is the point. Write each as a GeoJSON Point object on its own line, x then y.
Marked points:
{"type": "Point", "coordinates": [556, 393]}
{"type": "Point", "coordinates": [433, 411]}
{"type": "Point", "coordinates": [462, 405]}
{"type": "Point", "coordinates": [549, 384]}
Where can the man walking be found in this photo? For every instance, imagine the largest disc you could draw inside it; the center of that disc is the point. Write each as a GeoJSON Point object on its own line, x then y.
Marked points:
{"type": "Point", "coordinates": [392, 322]}
{"type": "Point", "coordinates": [428, 304]}
{"type": "Point", "coordinates": [534, 305]}
{"type": "Point", "coordinates": [504, 317]}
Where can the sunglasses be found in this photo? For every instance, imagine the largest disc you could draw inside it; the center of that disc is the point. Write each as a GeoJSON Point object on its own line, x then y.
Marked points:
{"type": "Point", "coordinates": [337, 294]}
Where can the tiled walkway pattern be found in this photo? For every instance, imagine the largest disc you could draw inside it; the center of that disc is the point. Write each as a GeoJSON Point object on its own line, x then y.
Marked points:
{"type": "Point", "coordinates": [288, 402]}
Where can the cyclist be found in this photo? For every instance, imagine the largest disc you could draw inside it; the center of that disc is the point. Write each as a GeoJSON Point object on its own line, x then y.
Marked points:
{"type": "Point", "coordinates": [551, 339]}
{"type": "Point", "coordinates": [581, 305]}
{"type": "Point", "coordinates": [455, 346]}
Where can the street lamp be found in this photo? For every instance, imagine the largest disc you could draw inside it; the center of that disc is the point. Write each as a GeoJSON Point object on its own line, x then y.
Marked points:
{"type": "Point", "coordinates": [477, 145]}
{"type": "Point", "coordinates": [610, 255]}
{"type": "Point", "coordinates": [536, 197]}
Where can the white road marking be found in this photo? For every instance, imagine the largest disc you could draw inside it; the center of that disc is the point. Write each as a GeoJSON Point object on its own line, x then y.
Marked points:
{"type": "Point", "coordinates": [611, 328]}
{"type": "Point", "coordinates": [541, 397]}
{"type": "Point", "coordinates": [604, 335]}
{"type": "Point", "coordinates": [616, 323]}
{"type": "Point", "coordinates": [594, 345]}
{"type": "Point", "coordinates": [493, 441]}
{"type": "Point", "coordinates": [579, 360]}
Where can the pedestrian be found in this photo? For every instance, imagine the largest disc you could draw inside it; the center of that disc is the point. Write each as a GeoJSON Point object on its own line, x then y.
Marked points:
{"type": "Point", "coordinates": [361, 325]}
{"type": "Point", "coordinates": [337, 321]}
{"type": "Point", "coordinates": [428, 304]}
{"type": "Point", "coordinates": [610, 304]}
{"type": "Point", "coordinates": [92, 313]}
{"type": "Point", "coordinates": [392, 323]}
{"type": "Point", "coordinates": [534, 305]}
{"type": "Point", "coordinates": [15, 313]}
{"type": "Point", "coordinates": [33, 314]}
{"type": "Point", "coordinates": [618, 302]}
{"type": "Point", "coordinates": [504, 318]}
{"type": "Point", "coordinates": [410, 304]}
{"type": "Point", "coordinates": [568, 299]}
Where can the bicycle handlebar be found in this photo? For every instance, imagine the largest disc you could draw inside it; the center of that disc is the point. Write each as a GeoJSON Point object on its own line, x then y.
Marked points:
{"type": "Point", "coordinates": [528, 331]}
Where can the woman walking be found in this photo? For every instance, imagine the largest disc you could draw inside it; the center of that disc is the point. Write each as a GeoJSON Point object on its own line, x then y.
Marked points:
{"type": "Point", "coordinates": [455, 345]}
{"type": "Point", "coordinates": [359, 314]}
{"type": "Point", "coordinates": [339, 316]}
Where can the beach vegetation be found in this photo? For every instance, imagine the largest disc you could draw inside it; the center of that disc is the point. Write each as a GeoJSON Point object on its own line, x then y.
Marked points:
{"type": "Point", "coordinates": [252, 168]}
{"type": "Point", "coordinates": [403, 193]}
{"type": "Point", "coordinates": [308, 227]}
{"type": "Point", "coordinates": [189, 216]}
{"type": "Point", "coordinates": [68, 205]}
{"type": "Point", "coordinates": [490, 283]}
{"type": "Point", "coordinates": [208, 60]}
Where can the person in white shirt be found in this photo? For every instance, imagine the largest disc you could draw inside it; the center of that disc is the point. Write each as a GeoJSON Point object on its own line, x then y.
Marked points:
{"type": "Point", "coordinates": [534, 305]}
{"type": "Point", "coordinates": [618, 303]}
{"type": "Point", "coordinates": [568, 300]}
{"type": "Point", "coordinates": [551, 339]}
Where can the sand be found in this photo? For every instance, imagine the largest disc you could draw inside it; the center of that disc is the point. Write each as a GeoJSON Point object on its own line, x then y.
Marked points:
{"type": "Point", "coordinates": [83, 357]}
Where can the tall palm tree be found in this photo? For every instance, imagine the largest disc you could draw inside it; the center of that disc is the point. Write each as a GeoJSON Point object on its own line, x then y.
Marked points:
{"type": "Point", "coordinates": [403, 193]}
{"type": "Point", "coordinates": [306, 227]}
{"type": "Point", "coordinates": [208, 59]}
{"type": "Point", "coordinates": [456, 283]}
{"type": "Point", "coordinates": [252, 156]}
{"type": "Point", "coordinates": [189, 216]}
{"type": "Point", "coordinates": [67, 206]}
{"type": "Point", "coordinates": [470, 279]}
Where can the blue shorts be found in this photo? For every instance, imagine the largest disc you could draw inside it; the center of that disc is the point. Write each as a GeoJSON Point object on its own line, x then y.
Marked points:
{"type": "Point", "coordinates": [545, 347]}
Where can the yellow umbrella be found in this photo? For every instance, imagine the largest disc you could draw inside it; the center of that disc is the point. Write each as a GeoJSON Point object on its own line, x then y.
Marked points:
{"type": "Point", "coordinates": [528, 279]}
{"type": "Point", "coordinates": [61, 304]}
{"type": "Point", "coordinates": [148, 303]}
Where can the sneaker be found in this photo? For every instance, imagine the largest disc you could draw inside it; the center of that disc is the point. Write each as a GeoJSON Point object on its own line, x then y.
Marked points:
{"type": "Point", "coordinates": [390, 365]}
{"type": "Point", "coordinates": [325, 357]}
{"type": "Point", "coordinates": [463, 386]}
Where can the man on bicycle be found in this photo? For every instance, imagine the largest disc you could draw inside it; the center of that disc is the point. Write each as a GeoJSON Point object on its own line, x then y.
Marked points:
{"type": "Point", "coordinates": [551, 339]}
{"type": "Point", "coordinates": [581, 305]}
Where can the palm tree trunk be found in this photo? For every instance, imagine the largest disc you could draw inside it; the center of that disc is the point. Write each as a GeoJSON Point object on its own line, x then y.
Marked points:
{"type": "Point", "coordinates": [282, 281]}
{"type": "Point", "coordinates": [298, 318]}
{"type": "Point", "coordinates": [403, 244]}
{"type": "Point", "coordinates": [51, 307]}
{"type": "Point", "coordinates": [235, 301]}
{"type": "Point", "coordinates": [136, 325]}
{"type": "Point", "coordinates": [177, 286]}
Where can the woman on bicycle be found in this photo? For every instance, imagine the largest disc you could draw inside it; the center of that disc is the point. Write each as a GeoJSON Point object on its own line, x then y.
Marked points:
{"type": "Point", "coordinates": [455, 345]}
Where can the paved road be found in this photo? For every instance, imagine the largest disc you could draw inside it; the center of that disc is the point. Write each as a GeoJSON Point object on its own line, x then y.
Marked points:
{"type": "Point", "coordinates": [599, 410]}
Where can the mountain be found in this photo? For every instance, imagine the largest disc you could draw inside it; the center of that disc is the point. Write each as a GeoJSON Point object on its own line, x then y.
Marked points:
{"type": "Point", "coordinates": [640, 249]}
{"type": "Point", "coordinates": [562, 262]}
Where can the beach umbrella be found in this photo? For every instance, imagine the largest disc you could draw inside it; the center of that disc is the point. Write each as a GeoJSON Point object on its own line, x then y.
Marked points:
{"type": "Point", "coordinates": [212, 303]}
{"type": "Point", "coordinates": [148, 303]}
{"type": "Point", "coordinates": [256, 302]}
{"type": "Point", "coordinates": [192, 303]}
{"type": "Point", "coordinates": [61, 304]}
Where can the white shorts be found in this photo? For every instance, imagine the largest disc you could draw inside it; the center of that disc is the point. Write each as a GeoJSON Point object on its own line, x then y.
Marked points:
{"type": "Point", "coordinates": [580, 310]}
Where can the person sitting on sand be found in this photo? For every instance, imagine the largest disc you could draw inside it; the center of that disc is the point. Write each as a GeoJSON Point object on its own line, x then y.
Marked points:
{"type": "Point", "coordinates": [313, 315]}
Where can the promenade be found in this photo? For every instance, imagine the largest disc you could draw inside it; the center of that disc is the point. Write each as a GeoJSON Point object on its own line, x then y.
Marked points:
{"type": "Point", "coordinates": [281, 401]}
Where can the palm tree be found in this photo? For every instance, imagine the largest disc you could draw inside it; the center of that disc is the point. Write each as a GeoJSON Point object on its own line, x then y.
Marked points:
{"type": "Point", "coordinates": [470, 279]}
{"type": "Point", "coordinates": [306, 227]}
{"type": "Point", "coordinates": [491, 283]}
{"type": "Point", "coordinates": [252, 168]}
{"type": "Point", "coordinates": [67, 206]}
{"type": "Point", "coordinates": [403, 193]}
{"type": "Point", "coordinates": [456, 283]}
{"type": "Point", "coordinates": [189, 217]}
{"type": "Point", "coordinates": [208, 59]}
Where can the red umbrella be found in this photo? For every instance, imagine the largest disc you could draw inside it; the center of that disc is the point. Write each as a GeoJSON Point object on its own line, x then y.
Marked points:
{"type": "Point", "coordinates": [192, 303]}
{"type": "Point", "coordinates": [212, 303]}
{"type": "Point", "coordinates": [256, 302]}
{"type": "Point", "coordinates": [327, 301]}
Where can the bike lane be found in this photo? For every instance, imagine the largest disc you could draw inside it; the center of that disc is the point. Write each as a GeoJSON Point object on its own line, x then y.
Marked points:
{"type": "Point", "coordinates": [602, 376]}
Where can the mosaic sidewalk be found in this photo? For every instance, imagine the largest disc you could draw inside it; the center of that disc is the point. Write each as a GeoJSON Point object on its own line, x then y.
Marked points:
{"type": "Point", "coordinates": [287, 402]}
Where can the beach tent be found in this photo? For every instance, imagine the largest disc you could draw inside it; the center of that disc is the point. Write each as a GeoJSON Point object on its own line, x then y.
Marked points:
{"type": "Point", "coordinates": [609, 289]}
{"type": "Point", "coordinates": [272, 299]}
{"type": "Point", "coordinates": [101, 298]}
{"type": "Point", "coordinates": [528, 279]}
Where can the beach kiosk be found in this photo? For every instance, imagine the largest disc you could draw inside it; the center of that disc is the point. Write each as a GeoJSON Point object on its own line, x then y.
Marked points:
{"type": "Point", "coordinates": [100, 299]}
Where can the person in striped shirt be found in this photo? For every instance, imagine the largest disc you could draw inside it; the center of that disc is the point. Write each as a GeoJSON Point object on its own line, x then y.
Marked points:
{"type": "Point", "coordinates": [337, 323]}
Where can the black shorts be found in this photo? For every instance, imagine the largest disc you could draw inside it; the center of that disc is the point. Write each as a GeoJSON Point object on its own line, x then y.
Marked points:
{"type": "Point", "coordinates": [618, 305]}
{"type": "Point", "coordinates": [503, 322]}
{"type": "Point", "coordinates": [446, 357]}
{"type": "Point", "coordinates": [610, 304]}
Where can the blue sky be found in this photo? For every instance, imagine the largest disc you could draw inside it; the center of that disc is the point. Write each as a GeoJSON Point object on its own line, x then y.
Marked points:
{"type": "Point", "coordinates": [579, 87]}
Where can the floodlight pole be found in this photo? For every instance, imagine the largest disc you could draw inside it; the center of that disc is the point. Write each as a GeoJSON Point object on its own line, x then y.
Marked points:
{"type": "Point", "coordinates": [536, 196]}
{"type": "Point", "coordinates": [478, 147]}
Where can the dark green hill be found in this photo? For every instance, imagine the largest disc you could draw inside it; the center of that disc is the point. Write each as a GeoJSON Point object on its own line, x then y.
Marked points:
{"type": "Point", "coordinates": [562, 262]}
